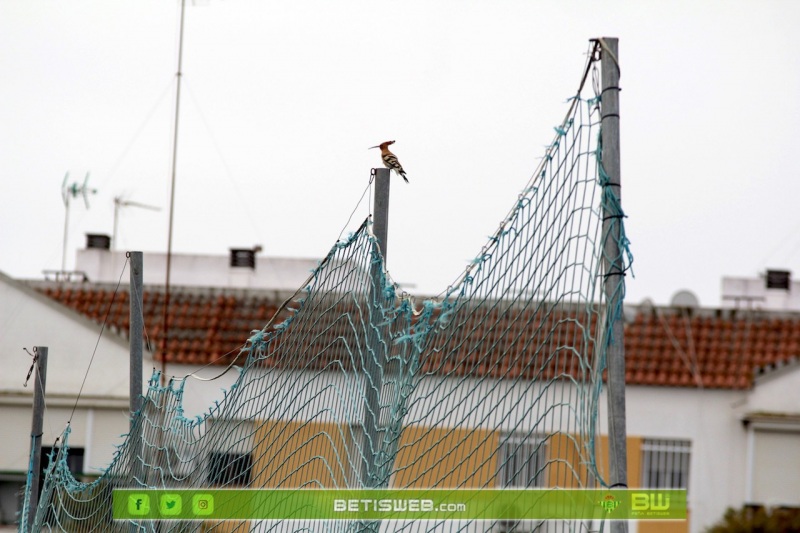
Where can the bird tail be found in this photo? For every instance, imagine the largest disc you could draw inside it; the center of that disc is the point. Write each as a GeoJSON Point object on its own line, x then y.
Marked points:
{"type": "Point", "coordinates": [403, 174]}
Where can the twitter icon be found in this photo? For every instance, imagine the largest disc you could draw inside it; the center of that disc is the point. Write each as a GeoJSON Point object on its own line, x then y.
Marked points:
{"type": "Point", "coordinates": [170, 504]}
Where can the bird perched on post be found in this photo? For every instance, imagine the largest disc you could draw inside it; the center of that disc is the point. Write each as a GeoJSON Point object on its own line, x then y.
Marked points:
{"type": "Point", "coordinates": [390, 160]}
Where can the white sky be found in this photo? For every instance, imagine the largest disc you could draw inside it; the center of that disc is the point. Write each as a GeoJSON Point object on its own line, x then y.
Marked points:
{"type": "Point", "coordinates": [282, 99]}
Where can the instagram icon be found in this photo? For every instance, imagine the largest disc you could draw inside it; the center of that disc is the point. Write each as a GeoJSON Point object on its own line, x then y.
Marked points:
{"type": "Point", "coordinates": [202, 504]}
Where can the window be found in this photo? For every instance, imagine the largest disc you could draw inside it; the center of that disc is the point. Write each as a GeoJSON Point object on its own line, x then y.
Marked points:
{"type": "Point", "coordinates": [74, 460]}
{"type": "Point", "coordinates": [12, 489]}
{"type": "Point", "coordinates": [521, 461]}
{"type": "Point", "coordinates": [665, 463]}
{"type": "Point", "coordinates": [229, 468]}
{"type": "Point", "coordinates": [776, 467]}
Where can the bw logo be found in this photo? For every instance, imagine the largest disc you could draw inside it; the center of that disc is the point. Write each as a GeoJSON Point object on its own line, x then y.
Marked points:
{"type": "Point", "coordinates": [643, 501]}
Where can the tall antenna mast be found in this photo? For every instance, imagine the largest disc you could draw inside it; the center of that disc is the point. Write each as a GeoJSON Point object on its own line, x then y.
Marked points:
{"type": "Point", "coordinates": [73, 191]}
{"type": "Point", "coordinates": [178, 75]}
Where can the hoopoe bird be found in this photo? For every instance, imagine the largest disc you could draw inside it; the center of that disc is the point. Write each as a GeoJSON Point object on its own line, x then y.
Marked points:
{"type": "Point", "coordinates": [390, 160]}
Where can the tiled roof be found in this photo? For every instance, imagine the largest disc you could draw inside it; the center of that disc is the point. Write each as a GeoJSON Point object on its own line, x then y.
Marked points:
{"type": "Point", "coordinates": [721, 349]}
{"type": "Point", "coordinates": [664, 347]}
{"type": "Point", "coordinates": [204, 326]}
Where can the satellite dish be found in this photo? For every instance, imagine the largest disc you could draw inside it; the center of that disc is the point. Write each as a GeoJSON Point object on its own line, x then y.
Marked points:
{"type": "Point", "coordinates": [685, 299]}
{"type": "Point", "coordinates": [647, 303]}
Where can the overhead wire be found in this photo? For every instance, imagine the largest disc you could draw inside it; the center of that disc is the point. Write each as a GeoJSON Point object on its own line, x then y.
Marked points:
{"type": "Point", "coordinates": [230, 175]}
{"type": "Point", "coordinates": [97, 343]}
{"type": "Point", "coordinates": [690, 362]}
{"type": "Point", "coordinates": [366, 189]}
{"type": "Point", "coordinates": [129, 146]}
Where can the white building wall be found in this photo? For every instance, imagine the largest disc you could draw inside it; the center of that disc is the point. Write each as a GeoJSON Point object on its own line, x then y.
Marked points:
{"type": "Point", "coordinates": [30, 319]}
{"type": "Point", "coordinates": [711, 420]}
{"type": "Point", "coordinates": [777, 391]}
{"type": "Point", "coordinates": [752, 293]}
{"type": "Point", "coordinates": [437, 401]}
{"type": "Point", "coordinates": [282, 274]}
{"type": "Point", "coordinates": [773, 445]}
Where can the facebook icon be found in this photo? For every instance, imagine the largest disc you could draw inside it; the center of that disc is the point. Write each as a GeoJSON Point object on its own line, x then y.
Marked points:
{"type": "Point", "coordinates": [138, 504]}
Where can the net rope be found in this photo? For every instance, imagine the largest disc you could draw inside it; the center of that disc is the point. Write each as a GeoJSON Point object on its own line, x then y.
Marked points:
{"type": "Point", "coordinates": [495, 384]}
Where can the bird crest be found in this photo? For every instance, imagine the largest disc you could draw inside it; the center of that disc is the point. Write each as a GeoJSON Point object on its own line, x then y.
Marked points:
{"type": "Point", "coordinates": [383, 146]}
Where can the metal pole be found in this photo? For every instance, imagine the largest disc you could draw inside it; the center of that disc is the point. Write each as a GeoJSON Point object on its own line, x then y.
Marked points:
{"type": "Point", "coordinates": [178, 76]}
{"type": "Point", "coordinates": [614, 268]}
{"type": "Point", "coordinates": [36, 431]}
{"type": "Point", "coordinates": [374, 360]}
{"type": "Point", "coordinates": [380, 227]}
{"type": "Point", "coordinates": [135, 339]}
{"type": "Point", "coordinates": [136, 333]}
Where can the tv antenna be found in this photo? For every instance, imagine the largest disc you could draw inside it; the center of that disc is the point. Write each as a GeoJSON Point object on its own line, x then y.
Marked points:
{"type": "Point", "coordinates": [119, 203]}
{"type": "Point", "coordinates": [73, 191]}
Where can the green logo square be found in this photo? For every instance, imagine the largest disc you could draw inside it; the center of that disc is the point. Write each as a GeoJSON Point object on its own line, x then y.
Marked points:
{"type": "Point", "coordinates": [138, 504]}
{"type": "Point", "coordinates": [203, 504]}
{"type": "Point", "coordinates": [170, 504]}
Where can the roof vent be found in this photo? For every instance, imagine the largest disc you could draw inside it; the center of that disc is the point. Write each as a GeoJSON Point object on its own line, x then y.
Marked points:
{"type": "Point", "coordinates": [778, 279]}
{"type": "Point", "coordinates": [98, 241]}
{"type": "Point", "coordinates": [243, 258]}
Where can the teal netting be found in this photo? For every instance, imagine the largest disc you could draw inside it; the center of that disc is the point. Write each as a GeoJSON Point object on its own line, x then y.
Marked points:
{"type": "Point", "coordinates": [497, 384]}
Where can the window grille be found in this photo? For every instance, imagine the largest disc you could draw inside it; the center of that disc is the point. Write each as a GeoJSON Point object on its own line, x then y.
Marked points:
{"type": "Point", "coordinates": [665, 463]}
{"type": "Point", "coordinates": [521, 461]}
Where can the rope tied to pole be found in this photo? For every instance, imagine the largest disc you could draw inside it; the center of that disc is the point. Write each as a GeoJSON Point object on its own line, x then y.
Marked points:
{"type": "Point", "coordinates": [35, 356]}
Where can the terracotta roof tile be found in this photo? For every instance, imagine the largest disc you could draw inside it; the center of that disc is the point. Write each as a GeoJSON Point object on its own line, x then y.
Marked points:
{"type": "Point", "coordinates": [664, 347]}
{"type": "Point", "coordinates": [202, 326]}
{"type": "Point", "coordinates": [724, 352]}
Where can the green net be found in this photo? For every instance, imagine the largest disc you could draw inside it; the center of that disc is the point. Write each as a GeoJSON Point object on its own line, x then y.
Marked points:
{"type": "Point", "coordinates": [495, 384]}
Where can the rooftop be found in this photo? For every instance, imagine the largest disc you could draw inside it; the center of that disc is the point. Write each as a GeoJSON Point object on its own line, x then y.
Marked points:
{"type": "Point", "coordinates": [675, 347]}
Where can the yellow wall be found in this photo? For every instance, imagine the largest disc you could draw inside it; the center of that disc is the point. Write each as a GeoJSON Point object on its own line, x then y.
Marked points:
{"type": "Point", "coordinates": [293, 454]}
{"type": "Point", "coordinates": [567, 466]}
{"type": "Point", "coordinates": [664, 527]}
{"type": "Point", "coordinates": [444, 458]}
{"type": "Point", "coordinates": [634, 445]}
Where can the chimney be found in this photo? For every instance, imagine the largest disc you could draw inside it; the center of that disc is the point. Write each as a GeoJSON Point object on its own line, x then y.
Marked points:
{"type": "Point", "coordinates": [778, 279]}
{"type": "Point", "coordinates": [243, 258]}
{"type": "Point", "coordinates": [98, 241]}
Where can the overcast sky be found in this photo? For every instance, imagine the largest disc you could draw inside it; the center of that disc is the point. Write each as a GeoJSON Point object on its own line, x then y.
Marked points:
{"type": "Point", "coordinates": [282, 99]}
